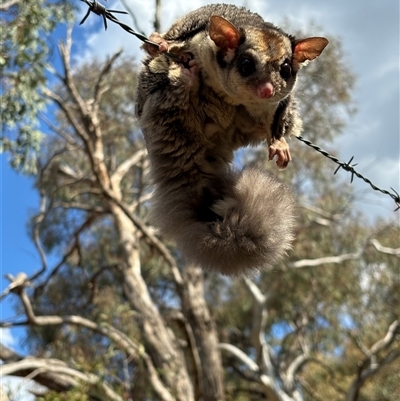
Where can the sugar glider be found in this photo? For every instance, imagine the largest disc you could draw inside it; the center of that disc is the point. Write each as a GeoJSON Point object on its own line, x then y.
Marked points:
{"type": "Point", "coordinates": [229, 85]}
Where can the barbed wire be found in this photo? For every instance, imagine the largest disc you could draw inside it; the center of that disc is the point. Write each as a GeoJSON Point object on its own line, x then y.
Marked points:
{"type": "Point", "coordinates": [98, 9]}
{"type": "Point", "coordinates": [350, 168]}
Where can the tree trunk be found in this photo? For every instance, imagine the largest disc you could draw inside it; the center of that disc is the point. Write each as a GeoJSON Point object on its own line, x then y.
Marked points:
{"type": "Point", "coordinates": [197, 313]}
{"type": "Point", "coordinates": [158, 339]}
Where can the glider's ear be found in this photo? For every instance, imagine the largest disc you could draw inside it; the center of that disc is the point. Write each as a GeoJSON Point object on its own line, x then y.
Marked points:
{"type": "Point", "coordinates": [223, 33]}
{"type": "Point", "coordinates": [308, 49]}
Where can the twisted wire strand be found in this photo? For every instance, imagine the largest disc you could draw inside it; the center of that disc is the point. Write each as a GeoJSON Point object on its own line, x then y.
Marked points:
{"type": "Point", "coordinates": [97, 8]}
{"type": "Point", "coordinates": [350, 168]}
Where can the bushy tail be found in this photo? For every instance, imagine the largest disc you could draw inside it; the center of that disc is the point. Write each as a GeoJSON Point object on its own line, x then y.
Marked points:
{"type": "Point", "coordinates": [248, 224]}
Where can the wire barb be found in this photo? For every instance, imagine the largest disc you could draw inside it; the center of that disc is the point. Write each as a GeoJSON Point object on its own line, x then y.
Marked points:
{"type": "Point", "coordinates": [350, 168]}
{"type": "Point", "coordinates": [98, 9]}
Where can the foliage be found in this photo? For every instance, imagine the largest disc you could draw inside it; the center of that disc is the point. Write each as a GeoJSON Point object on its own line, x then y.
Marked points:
{"type": "Point", "coordinates": [26, 29]}
{"type": "Point", "coordinates": [73, 395]}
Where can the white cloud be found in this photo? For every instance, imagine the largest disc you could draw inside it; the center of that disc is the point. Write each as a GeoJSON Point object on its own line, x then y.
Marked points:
{"type": "Point", "coordinates": [18, 388]}
{"type": "Point", "coordinates": [6, 337]}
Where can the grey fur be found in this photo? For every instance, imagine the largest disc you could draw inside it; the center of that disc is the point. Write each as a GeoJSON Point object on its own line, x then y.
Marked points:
{"type": "Point", "coordinates": [225, 220]}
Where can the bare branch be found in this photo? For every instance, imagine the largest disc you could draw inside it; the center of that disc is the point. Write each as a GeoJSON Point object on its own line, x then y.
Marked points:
{"type": "Point", "coordinates": [268, 384]}
{"type": "Point", "coordinates": [36, 235]}
{"type": "Point", "coordinates": [121, 339]}
{"type": "Point", "coordinates": [258, 296]}
{"type": "Point", "coordinates": [159, 245]}
{"type": "Point", "coordinates": [65, 50]}
{"type": "Point", "coordinates": [142, 199]}
{"type": "Point", "coordinates": [78, 178]}
{"type": "Point", "coordinates": [293, 369]}
{"type": "Point", "coordinates": [388, 339]}
{"type": "Point", "coordinates": [69, 113]}
{"type": "Point", "coordinates": [374, 368]}
{"type": "Point", "coordinates": [240, 355]}
{"type": "Point", "coordinates": [157, 16]}
{"type": "Point", "coordinates": [81, 206]}
{"type": "Point", "coordinates": [124, 167]}
{"type": "Point", "coordinates": [321, 212]}
{"type": "Point", "coordinates": [87, 223]}
{"type": "Point", "coordinates": [370, 365]}
{"type": "Point", "coordinates": [363, 374]}
{"type": "Point", "coordinates": [59, 131]}
{"type": "Point", "coordinates": [16, 283]}
{"type": "Point", "coordinates": [259, 320]}
{"type": "Point", "coordinates": [383, 249]}
{"type": "Point", "coordinates": [40, 366]}
{"type": "Point", "coordinates": [260, 315]}
{"type": "Point", "coordinates": [8, 355]}
{"type": "Point", "coordinates": [133, 16]}
{"type": "Point", "coordinates": [267, 364]}
{"type": "Point", "coordinates": [156, 382]}
{"type": "Point", "coordinates": [360, 344]}
{"type": "Point", "coordinates": [325, 219]}
{"type": "Point", "coordinates": [192, 346]}
{"type": "Point", "coordinates": [310, 390]}
{"type": "Point", "coordinates": [326, 260]}
{"type": "Point", "coordinates": [342, 258]}
{"type": "Point", "coordinates": [98, 89]}
{"type": "Point", "coordinates": [7, 4]}
{"type": "Point", "coordinates": [52, 380]}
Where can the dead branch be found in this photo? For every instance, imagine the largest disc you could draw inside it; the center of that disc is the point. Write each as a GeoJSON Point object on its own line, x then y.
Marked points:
{"type": "Point", "coordinates": [7, 4]}
{"type": "Point", "coordinates": [16, 283]}
{"type": "Point", "coordinates": [133, 16]}
{"type": "Point", "coordinates": [186, 328]}
{"type": "Point", "coordinates": [69, 113]}
{"type": "Point", "coordinates": [272, 393]}
{"type": "Point", "coordinates": [347, 256]}
{"type": "Point", "coordinates": [323, 218]}
{"type": "Point", "coordinates": [72, 248]}
{"type": "Point", "coordinates": [326, 260]}
{"type": "Point", "coordinates": [81, 206]}
{"type": "Point", "coordinates": [388, 339]}
{"type": "Point", "coordinates": [124, 167]}
{"type": "Point", "coordinates": [45, 366]}
{"type": "Point", "coordinates": [153, 240]}
{"type": "Point", "coordinates": [321, 212]}
{"type": "Point", "coordinates": [384, 249]}
{"type": "Point", "coordinates": [53, 381]}
{"type": "Point", "coordinates": [38, 219]}
{"type": "Point", "coordinates": [99, 86]}
{"type": "Point", "coordinates": [293, 369]}
{"type": "Point", "coordinates": [65, 51]}
{"type": "Point", "coordinates": [157, 16]}
{"type": "Point", "coordinates": [370, 365]}
{"type": "Point", "coordinates": [122, 340]}
{"type": "Point", "coordinates": [59, 131]}
{"type": "Point", "coordinates": [260, 316]}
{"type": "Point", "coordinates": [240, 355]}
{"type": "Point", "coordinates": [90, 131]}
{"type": "Point", "coordinates": [198, 316]}
{"type": "Point", "coordinates": [258, 296]}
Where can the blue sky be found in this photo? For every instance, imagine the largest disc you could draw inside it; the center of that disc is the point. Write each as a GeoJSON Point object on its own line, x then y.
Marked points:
{"type": "Point", "coordinates": [370, 33]}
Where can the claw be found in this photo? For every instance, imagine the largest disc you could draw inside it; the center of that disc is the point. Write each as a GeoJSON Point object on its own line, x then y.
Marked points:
{"type": "Point", "coordinates": [280, 149]}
